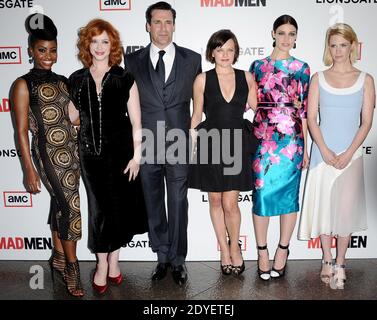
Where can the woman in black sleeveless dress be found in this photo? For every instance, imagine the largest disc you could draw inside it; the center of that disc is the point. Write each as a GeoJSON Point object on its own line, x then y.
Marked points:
{"type": "Point", "coordinates": [221, 160]}
{"type": "Point", "coordinates": [40, 104]}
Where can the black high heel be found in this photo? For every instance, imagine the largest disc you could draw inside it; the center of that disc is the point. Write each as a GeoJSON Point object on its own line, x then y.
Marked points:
{"type": "Point", "coordinates": [72, 279]}
{"type": "Point", "coordinates": [57, 262]}
{"type": "Point", "coordinates": [237, 270]}
{"type": "Point", "coordinates": [226, 269]}
{"type": "Point", "coordinates": [264, 275]}
{"type": "Point", "coordinates": [278, 273]}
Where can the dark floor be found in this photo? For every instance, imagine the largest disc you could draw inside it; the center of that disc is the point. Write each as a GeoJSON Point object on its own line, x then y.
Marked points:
{"type": "Point", "coordinates": [205, 282]}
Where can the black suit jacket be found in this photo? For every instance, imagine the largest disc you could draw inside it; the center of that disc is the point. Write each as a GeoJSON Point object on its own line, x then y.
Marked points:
{"type": "Point", "coordinates": [176, 112]}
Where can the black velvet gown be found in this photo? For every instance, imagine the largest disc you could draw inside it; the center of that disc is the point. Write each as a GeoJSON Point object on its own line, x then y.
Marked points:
{"type": "Point", "coordinates": [116, 206]}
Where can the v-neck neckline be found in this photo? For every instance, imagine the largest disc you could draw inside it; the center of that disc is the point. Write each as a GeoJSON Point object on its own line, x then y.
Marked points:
{"type": "Point", "coordinates": [235, 87]}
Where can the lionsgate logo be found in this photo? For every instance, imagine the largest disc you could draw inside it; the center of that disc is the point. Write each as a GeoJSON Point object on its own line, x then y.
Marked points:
{"type": "Point", "coordinates": [4, 105]}
{"type": "Point", "coordinates": [112, 5]}
{"type": "Point", "coordinates": [233, 3]}
{"type": "Point", "coordinates": [17, 199]}
{"type": "Point", "coordinates": [10, 55]}
{"type": "Point", "coordinates": [15, 4]}
{"type": "Point", "coordinates": [10, 153]}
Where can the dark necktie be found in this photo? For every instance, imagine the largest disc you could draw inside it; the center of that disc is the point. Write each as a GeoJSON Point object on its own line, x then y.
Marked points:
{"type": "Point", "coordinates": [160, 66]}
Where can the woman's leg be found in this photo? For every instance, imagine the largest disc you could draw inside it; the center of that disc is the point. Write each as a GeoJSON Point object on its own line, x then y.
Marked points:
{"type": "Point", "coordinates": [218, 222]}
{"type": "Point", "coordinates": [287, 225]}
{"type": "Point", "coordinates": [232, 217]}
{"type": "Point", "coordinates": [260, 230]}
{"type": "Point", "coordinates": [113, 260]}
{"type": "Point", "coordinates": [100, 277]}
{"type": "Point", "coordinates": [326, 271]}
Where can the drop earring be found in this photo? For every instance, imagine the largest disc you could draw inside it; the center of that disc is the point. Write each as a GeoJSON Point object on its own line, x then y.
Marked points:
{"type": "Point", "coordinates": [294, 45]}
{"type": "Point", "coordinates": [31, 59]}
{"type": "Point", "coordinates": [274, 43]}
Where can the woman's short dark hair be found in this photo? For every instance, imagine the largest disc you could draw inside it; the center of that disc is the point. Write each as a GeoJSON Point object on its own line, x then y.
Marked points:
{"type": "Point", "coordinates": [217, 40]}
{"type": "Point", "coordinates": [162, 5]}
{"type": "Point", "coordinates": [284, 19]}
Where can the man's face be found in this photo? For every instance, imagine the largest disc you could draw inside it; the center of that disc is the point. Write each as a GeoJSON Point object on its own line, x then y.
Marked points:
{"type": "Point", "coordinates": [161, 28]}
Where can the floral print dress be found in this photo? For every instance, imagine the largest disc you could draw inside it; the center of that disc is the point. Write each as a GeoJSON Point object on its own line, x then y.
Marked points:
{"type": "Point", "coordinates": [282, 104]}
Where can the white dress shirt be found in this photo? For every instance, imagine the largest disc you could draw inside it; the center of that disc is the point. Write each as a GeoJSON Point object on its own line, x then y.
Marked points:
{"type": "Point", "coordinates": [168, 57]}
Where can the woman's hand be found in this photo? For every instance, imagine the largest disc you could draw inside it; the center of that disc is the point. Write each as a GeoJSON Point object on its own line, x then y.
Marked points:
{"type": "Point", "coordinates": [305, 160]}
{"type": "Point", "coordinates": [343, 160]}
{"type": "Point", "coordinates": [33, 182]}
{"type": "Point", "coordinates": [133, 168]}
{"type": "Point", "coordinates": [194, 136]}
{"type": "Point", "coordinates": [329, 156]}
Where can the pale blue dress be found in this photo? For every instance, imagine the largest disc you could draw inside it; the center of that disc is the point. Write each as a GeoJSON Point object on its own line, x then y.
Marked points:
{"type": "Point", "coordinates": [334, 200]}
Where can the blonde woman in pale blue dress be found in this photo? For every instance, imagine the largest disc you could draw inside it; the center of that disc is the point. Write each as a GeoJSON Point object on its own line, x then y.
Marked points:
{"type": "Point", "coordinates": [334, 200]}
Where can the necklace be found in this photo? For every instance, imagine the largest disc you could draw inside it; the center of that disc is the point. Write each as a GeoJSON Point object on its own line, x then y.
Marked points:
{"type": "Point", "coordinates": [99, 97]}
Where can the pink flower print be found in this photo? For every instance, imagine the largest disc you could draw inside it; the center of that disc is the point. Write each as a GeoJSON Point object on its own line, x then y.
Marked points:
{"type": "Point", "coordinates": [292, 89]}
{"type": "Point", "coordinates": [268, 133]}
{"type": "Point", "coordinates": [257, 167]}
{"type": "Point", "coordinates": [299, 166]}
{"type": "Point", "coordinates": [274, 159]}
{"type": "Point", "coordinates": [268, 146]}
{"type": "Point", "coordinates": [300, 150]}
{"type": "Point", "coordinates": [260, 130]}
{"type": "Point", "coordinates": [295, 65]}
{"type": "Point", "coordinates": [289, 151]}
{"type": "Point", "coordinates": [279, 77]}
{"type": "Point", "coordinates": [307, 71]}
{"type": "Point", "coordinates": [276, 95]}
{"type": "Point", "coordinates": [269, 82]}
{"type": "Point", "coordinates": [259, 183]}
{"type": "Point", "coordinates": [267, 67]}
{"type": "Point", "coordinates": [284, 122]}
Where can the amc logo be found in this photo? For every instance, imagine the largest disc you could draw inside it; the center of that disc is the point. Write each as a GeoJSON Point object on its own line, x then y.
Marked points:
{"type": "Point", "coordinates": [10, 55]}
{"type": "Point", "coordinates": [242, 242]}
{"type": "Point", "coordinates": [4, 105]}
{"type": "Point", "coordinates": [17, 199]}
{"type": "Point", "coordinates": [110, 5]}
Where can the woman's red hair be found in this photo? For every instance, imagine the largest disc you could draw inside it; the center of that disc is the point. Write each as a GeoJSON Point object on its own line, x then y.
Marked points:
{"type": "Point", "coordinates": [94, 28]}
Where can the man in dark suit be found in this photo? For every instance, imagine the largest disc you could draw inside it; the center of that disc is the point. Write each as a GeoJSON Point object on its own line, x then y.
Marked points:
{"type": "Point", "coordinates": [164, 73]}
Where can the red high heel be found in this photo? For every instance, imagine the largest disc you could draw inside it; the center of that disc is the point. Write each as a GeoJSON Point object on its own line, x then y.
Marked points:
{"type": "Point", "coordinates": [116, 280]}
{"type": "Point", "coordinates": [98, 288]}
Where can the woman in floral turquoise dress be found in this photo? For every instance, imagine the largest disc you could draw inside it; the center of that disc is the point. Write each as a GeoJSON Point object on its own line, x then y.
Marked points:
{"type": "Point", "coordinates": [280, 125]}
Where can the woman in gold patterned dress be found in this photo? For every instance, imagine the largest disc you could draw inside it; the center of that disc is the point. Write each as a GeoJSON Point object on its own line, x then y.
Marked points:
{"type": "Point", "coordinates": [40, 104]}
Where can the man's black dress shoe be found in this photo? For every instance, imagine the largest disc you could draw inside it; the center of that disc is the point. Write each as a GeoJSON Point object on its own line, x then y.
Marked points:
{"type": "Point", "coordinates": [180, 274]}
{"type": "Point", "coordinates": [160, 271]}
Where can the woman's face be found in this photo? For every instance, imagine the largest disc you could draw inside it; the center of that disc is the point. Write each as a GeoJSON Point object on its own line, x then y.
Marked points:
{"type": "Point", "coordinates": [285, 37]}
{"type": "Point", "coordinates": [340, 48]}
{"type": "Point", "coordinates": [44, 53]}
{"type": "Point", "coordinates": [100, 47]}
{"type": "Point", "coordinates": [224, 55]}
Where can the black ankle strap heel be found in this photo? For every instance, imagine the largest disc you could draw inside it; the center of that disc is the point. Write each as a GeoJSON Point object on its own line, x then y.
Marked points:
{"type": "Point", "coordinates": [264, 275]}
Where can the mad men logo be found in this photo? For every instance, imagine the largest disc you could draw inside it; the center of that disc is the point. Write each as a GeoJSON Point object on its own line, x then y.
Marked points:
{"type": "Point", "coordinates": [233, 3]}
{"type": "Point", "coordinates": [14, 4]}
{"type": "Point", "coordinates": [23, 243]}
{"type": "Point", "coordinates": [110, 5]}
{"type": "Point", "coordinates": [10, 55]}
{"type": "Point", "coordinates": [130, 49]}
{"type": "Point", "coordinates": [9, 153]}
{"type": "Point", "coordinates": [4, 105]}
{"type": "Point", "coordinates": [355, 242]}
{"type": "Point", "coordinates": [242, 242]}
{"type": "Point", "coordinates": [17, 199]}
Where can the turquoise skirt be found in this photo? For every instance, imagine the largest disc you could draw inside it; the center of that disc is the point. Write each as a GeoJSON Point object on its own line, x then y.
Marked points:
{"type": "Point", "coordinates": [277, 166]}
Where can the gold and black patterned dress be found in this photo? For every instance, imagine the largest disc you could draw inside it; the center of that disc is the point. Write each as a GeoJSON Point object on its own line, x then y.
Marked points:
{"type": "Point", "coordinates": [54, 149]}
